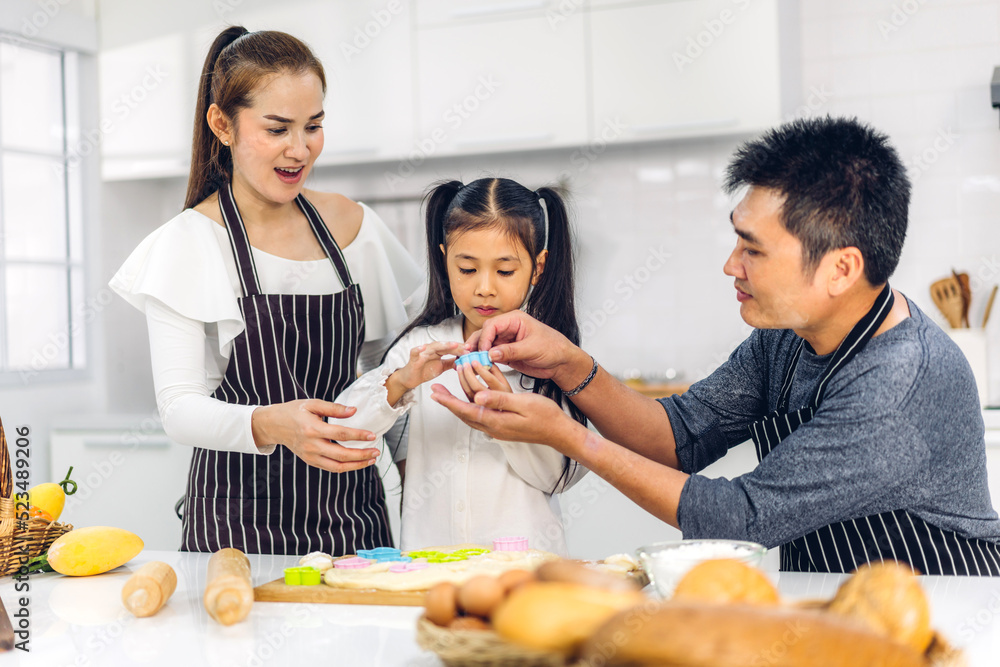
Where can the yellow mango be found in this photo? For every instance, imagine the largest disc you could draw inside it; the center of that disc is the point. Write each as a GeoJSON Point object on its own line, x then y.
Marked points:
{"type": "Point", "coordinates": [49, 498]}
{"type": "Point", "coordinates": [93, 550]}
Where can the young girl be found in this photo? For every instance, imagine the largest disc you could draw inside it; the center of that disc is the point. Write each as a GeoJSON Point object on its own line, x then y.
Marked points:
{"type": "Point", "coordinates": [492, 246]}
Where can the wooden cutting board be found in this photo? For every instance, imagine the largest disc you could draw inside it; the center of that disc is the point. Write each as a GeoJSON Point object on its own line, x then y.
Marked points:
{"type": "Point", "coordinates": [279, 591]}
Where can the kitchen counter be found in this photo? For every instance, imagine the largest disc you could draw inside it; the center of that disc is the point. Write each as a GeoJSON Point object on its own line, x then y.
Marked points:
{"type": "Point", "coordinates": [80, 621]}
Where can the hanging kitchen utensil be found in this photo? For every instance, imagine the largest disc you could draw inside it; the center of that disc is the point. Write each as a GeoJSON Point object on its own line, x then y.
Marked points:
{"type": "Point", "coordinates": [947, 295]}
{"type": "Point", "coordinates": [989, 306]}
{"type": "Point", "coordinates": [966, 289]}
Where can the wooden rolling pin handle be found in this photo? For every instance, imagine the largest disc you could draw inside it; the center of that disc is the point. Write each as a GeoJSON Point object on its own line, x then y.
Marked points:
{"type": "Point", "coordinates": [149, 588]}
{"type": "Point", "coordinates": [229, 591]}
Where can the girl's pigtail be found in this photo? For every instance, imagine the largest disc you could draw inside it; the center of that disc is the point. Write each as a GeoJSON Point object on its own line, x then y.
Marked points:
{"type": "Point", "coordinates": [439, 305]}
{"type": "Point", "coordinates": [552, 302]}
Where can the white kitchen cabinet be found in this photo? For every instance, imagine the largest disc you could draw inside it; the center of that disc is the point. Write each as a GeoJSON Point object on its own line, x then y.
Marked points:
{"type": "Point", "coordinates": [147, 107]}
{"type": "Point", "coordinates": [435, 12]}
{"type": "Point", "coordinates": [498, 86]}
{"type": "Point", "coordinates": [365, 49]}
{"type": "Point", "coordinates": [129, 475]}
{"type": "Point", "coordinates": [684, 68]}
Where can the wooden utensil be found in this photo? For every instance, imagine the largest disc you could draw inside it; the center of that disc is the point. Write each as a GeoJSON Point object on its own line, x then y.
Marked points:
{"type": "Point", "coordinates": [149, 588]}
{"type": "Point", "coordinates": [947, 295]}
{"type": "Point", "coordinates": [966, 290]}
{"type": "Point", "coordinates": [6, 630]}
{"type": "Point", "coordinates": [989, 305]}
{"type": "Point", "coordinates": [229, 592]}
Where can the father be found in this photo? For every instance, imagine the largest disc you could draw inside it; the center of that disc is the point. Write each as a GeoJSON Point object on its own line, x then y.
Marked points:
{"type": "Point", "coordinates": [864, 414]}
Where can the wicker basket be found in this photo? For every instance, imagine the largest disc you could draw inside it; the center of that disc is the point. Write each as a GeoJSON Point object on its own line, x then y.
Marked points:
{"type": "Point", "coordinates": [20, 541]}
{"type": "Point", "coordinates": [480, 648]}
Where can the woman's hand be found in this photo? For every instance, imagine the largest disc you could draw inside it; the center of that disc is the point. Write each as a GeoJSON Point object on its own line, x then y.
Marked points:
{"type": "Point", "coordinates": [523, 417]}
{"type": "Point", "coordinates": [532, 348]}
{"type": "Point", "coordinates": [426, 363]}
{"type": "Point", "coordinates": [301, 426]}
{"type": "Point", "coordinates": [474, 378]}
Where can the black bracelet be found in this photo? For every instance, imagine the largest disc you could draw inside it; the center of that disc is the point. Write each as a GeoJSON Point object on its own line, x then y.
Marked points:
{"type": "Point", "coordinates": [583, 385]}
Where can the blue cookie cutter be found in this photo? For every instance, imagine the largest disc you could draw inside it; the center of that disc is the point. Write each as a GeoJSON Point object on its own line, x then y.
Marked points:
{"type": "Point", "coordinates": [482, 357]}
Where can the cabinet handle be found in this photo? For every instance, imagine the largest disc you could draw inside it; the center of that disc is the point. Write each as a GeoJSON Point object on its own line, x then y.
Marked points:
{"type": "Point", "coordinates": [537, 138]}
{"type": "Point", "coordinates": [660, 128]}
{"type": "Point", "coordinates": [504, 8]}
{"type": "Point", "coordinates": [127, 443]}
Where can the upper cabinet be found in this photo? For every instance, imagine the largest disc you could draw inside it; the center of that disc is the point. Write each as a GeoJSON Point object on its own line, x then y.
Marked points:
{"type": "Point", "coordinates": [690, 67]}
{"type": "Point", "coordinates": [412, 79]}
{"type": "Point", "coordinates": [501, 85]}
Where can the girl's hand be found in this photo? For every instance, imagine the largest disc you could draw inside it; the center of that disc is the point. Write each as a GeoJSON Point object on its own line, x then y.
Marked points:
{"type": "Point", "coordinates": [301, 426]}
{"type": "Point", "coordinates": [426, 363]}
{"type": "Point", "coordinates": [475, 378]}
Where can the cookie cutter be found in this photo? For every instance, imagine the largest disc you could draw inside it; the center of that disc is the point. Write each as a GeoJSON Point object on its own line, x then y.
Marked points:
{"type": "Point", "coordinates": [355, 563]}
{"type": "Point", "coordinates": [302, 576]}
{"type": "Point", "coordinates": [482, 357]}
{"type": "Point", "coordinates": [510, 544]}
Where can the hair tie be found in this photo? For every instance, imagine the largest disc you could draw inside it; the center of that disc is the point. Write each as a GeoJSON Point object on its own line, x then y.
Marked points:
{"type": "Point", "coordinates": [545, 218]}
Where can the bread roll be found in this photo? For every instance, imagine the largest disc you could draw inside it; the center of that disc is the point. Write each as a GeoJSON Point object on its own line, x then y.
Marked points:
{"type": "Point", "coordinates": [683, 634]}
{"type": "Point", "coordinates": [557, 615]}
{"type": "Point", "coordinates": [726, 580]}
{"type": "Point", "coordinates": [888, 598]}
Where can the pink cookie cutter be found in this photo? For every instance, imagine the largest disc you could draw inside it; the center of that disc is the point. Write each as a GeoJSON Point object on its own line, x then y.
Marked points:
{"type": "Point", "coordinates": [406, 567]}
{"type": "Point", "coordinates": [354, 563]}
{"type": "Point", "coordinates": [510, 544]}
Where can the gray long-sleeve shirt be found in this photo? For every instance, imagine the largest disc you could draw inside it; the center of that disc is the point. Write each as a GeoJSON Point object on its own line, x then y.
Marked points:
{"type": "Point", "coordinates": [899, 427]}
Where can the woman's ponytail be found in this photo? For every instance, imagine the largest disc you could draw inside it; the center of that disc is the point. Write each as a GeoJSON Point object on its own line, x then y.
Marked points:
{"type": "Point", "coordinates": [210, 164]}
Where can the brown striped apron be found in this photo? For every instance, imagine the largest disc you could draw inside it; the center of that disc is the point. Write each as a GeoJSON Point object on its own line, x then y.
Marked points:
{"type": "Point", "coordinates": [895, 535]}
{"type": "Point", "coordinates": [294, 346]}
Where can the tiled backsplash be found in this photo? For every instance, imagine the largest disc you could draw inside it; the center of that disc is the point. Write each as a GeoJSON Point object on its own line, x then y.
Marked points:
{"type": "Point", "coordinates": [652, 226]}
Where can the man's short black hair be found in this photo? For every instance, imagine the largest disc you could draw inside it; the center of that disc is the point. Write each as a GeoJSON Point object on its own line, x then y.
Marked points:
{"type": "Point", "coordinates": [844, 185]}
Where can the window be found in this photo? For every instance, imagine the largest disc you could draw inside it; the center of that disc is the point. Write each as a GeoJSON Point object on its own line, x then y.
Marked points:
{"type": "Point", "coordinates": [41, 241]}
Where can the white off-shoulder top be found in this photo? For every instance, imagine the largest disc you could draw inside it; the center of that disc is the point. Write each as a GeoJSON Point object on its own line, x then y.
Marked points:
{"type": "Point", "coordinates": [183, 278]}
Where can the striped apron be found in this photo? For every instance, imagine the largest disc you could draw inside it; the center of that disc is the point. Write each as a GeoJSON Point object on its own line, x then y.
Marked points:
{"type": "Point", "coordinates": [895, 535]}
{"type": "Point", "coordinates": [294, 346]}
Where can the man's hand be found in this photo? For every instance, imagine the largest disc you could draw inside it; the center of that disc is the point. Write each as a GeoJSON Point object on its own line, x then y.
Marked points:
{"type": "Point", "coordinates": [523, 417]}
{"type": "Point", "coordinates": [532, 348]}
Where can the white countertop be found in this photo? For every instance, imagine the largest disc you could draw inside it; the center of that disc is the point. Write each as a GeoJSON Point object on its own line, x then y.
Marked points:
{"type": "Point", "coordinates": [81, 622]}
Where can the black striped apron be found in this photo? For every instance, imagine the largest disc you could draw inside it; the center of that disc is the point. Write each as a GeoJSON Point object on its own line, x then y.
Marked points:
{"type": "Point", "coordinates": [895, 535]}
{"type": "Point", "coordinates": [294, 346]}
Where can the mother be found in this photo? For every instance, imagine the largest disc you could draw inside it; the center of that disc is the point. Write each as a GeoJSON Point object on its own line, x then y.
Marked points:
{"type": "Point", "coordinates": [258, 297]}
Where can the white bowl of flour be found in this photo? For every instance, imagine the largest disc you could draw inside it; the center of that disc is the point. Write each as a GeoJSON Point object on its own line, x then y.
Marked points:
{"type": "Point", "coordinates": [666, 562]}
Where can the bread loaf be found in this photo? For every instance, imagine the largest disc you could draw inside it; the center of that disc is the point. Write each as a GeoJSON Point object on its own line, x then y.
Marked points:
{"type": "Point", "coordinates": [691, 634]}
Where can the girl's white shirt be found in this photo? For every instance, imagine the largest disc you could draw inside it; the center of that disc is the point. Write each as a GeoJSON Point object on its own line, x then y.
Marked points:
{"type": "Point", "coordinates": [183, 278]}
{"type": "Point", "coordinates": [461, 485]}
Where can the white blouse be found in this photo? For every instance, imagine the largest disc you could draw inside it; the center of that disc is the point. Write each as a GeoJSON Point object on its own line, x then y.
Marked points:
{"type": "Point", "coordinates": [183, 277]}
{"type": "Point", "coordinates": [461, 486]}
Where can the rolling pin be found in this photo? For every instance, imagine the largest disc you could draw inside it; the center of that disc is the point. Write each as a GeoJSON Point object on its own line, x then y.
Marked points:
{"type": "Point", "coordinates": [229, 592]}
{"type": "Point", "coordinates": [149, 588]}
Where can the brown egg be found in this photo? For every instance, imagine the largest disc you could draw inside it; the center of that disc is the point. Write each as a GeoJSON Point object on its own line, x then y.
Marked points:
{"type": "Point", "coordinates": [480, 595]}
{"type": "Point", "coordinates": [441, 603]}
{"type": "Point", "coordinates": [469, 623]}
{"type": "Point", "coordinates": [511, 579]}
